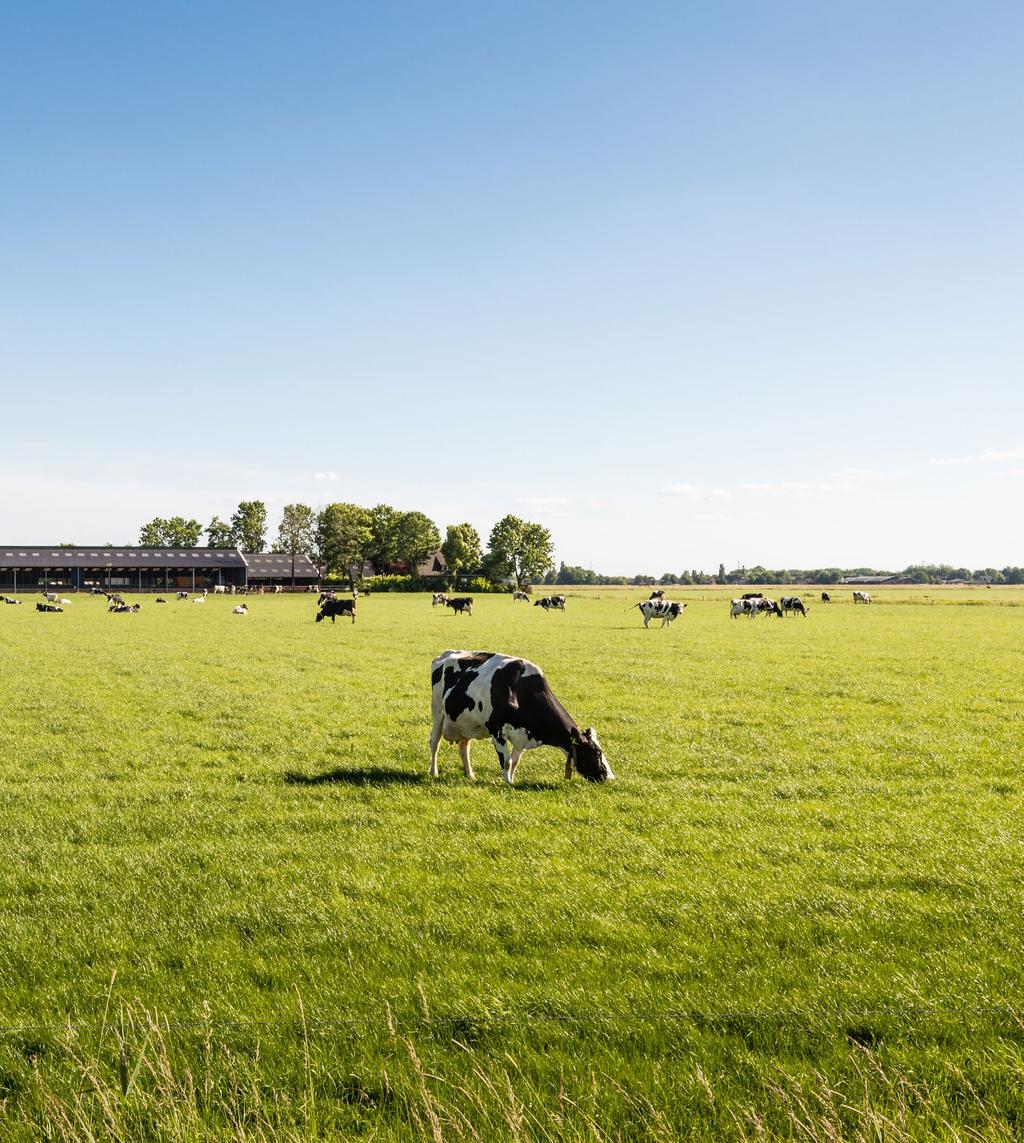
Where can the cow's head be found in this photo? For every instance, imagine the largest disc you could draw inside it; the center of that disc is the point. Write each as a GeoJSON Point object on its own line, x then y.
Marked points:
{"type": "Point", "coordinates": [588, 757]}
{"type": "Point", "coordinates": [319, 615]}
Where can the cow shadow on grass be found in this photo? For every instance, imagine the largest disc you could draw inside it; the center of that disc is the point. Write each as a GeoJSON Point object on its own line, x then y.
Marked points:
{"type": "Point", "coordinates": [342, 776]}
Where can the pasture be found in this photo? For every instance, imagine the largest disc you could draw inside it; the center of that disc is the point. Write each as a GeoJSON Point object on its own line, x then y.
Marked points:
{"type": "Point", "coordinates": [234, 905]}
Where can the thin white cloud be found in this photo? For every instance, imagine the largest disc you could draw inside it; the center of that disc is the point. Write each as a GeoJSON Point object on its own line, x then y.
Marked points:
{"type": "Point", "coordinates": [844, 480]}
{"type": "Point", "coordinates": [710, 516]}
{"type": "Point", "coordinates": [986, 456]}
{"type": "Point", "coordinates": [326, 476]}
{"type": "Point", "coordinates": [695, 492]}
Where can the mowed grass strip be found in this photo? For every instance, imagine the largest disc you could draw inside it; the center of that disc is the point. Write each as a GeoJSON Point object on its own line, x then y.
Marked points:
{"type": "Point", "coordinates": [802, 895]}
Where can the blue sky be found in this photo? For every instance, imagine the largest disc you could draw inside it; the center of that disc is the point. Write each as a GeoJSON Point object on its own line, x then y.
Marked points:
{"type": "Point", "coordinates": [687, 283]}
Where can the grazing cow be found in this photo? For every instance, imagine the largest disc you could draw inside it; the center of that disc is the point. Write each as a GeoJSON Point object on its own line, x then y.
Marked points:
{"type": "Point", "coordinates": [825, 597]}
{"type": "Point", "coordinates": [332, 608]}
{"type": "Point", "coordinates": [753, 595]}
{"type": "Point", "coordinates": [241, 609]}
{"type": "Point", "coordinates": [520, 596]}
{"type": "Point", "coordinates": [439, 597]}
{"type": "Point", "coordinates": [768, 605]}
{"type": "Point", "coordinates": [747, 607]}
{"type": "Point", "coordinates": [659, 594]}
{"type": "Point", "coordinates": [49, 607]}
{"type": "Point", "coordinates": [791, 604]}
{"type": "Point", "coordinates": [480, 694]}
{"type": "Point", "coordinates": [159, 599]}
{"type": "Point", "coordinates": [220, 589]}
{"type": "Point", "coordinates": [861, 597]}
{"type": "Point", "coordinates": [464, 603]}
{"type": "Point", "coordinates": [181, 595]}
{"type": "Point", "coordinates": [662, 609]}
{"type": "Point", "coordinates": [551, 601]}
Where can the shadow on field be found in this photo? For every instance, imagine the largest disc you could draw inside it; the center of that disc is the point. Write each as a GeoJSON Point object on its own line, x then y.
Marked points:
{"type": "Point", "coordinates": [371, 776]}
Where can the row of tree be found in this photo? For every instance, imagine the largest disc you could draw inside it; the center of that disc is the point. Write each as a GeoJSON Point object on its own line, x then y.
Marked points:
{"type": "Point", "coordinates": [342, 538]}
{"type": "Point", "coordinates": [916, 573]}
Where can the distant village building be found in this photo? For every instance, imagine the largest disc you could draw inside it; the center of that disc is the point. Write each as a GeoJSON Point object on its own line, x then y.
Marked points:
{"type": "Point", "coordinates": [35, 567]}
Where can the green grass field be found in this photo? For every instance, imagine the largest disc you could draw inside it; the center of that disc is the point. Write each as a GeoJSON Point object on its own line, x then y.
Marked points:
{"type": "Point", "coordinates": [234, 905]}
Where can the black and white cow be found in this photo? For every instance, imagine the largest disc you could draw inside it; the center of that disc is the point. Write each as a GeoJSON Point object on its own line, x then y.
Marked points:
{"type": "Point", "coordinates": [181, 595]}
{"type": "Point", "coordinates": [332, 608]}
{"type": "Point", "coordinates": [160, 599]}
{"type": "Point", "coordinates": [124, 608]}
{"type": "Point", "coordinates": [464, 603]}
{"type": "Point", "coordinates": [659, 594]}
{"type": "Point", "coordinates": [825, 597]}
{"type": "Point", "coordinates": [861, 597]}
{"type": "Point", "coordinates": [551, 603]}
{"type": "Point", "coordinates": [747, 607]}
{"type": "Point", "coordinates": [753, 595]}
{"type": "Point", "coordinates": [13, 602]}
{"type": "Point", "coordinates": [49, 607]}
{"type": "Point", "coordinates": [793, 604]}
{"type": "Point", "coordinates": [439, 597]}
{"type": "Point", "coordinates": [662, 609]}
{"type": "Point", "coordinates": [520, 596]}
{"type": "Point", "coordinates": [325, 597]}
{"type": "Point", "coordinates": [768, 605]}
{"type": "Point", "coordinates": [481, 694]}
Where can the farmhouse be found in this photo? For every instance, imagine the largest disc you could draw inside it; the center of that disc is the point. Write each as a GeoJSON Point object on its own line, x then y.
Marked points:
{"type": "Point", "coordinates": [33, 567]}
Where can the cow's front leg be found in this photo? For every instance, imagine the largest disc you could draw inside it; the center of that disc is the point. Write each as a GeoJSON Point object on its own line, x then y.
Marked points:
{"type": "Point", "coordinates": [467, 766]}
{"type": "Point", "coordinates": [568, 765]}
{"type": "Point", "coordinates": [513, 762]}
{"type": "Point", "coordinates": [504, 755]}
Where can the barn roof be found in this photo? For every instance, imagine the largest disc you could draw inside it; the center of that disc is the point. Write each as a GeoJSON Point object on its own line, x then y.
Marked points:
{"type": "Point", "coordinates": [97, 556]}
{"type": "Point", "coordinates": [276, 565]}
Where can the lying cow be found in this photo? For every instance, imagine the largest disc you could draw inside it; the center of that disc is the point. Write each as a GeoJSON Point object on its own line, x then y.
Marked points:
{"type": "Point", "coordinates": [181, 595]}
{"type": "Point", "coordinates": [439, 597]}
{"type": "Point", "coordinates": [124, 609]}
{"type": "Point", "coordinates": [159, 599]}
{"type": "Point", "coordinates": [199, 599]}
{"type": "Point", "coordinates": [520, 596]}
{"type": "Point", "coordinates": [480, 694]}
{"type": "Point", "coordinates": [49, 607]}
{"type": "Point", "coordinates": [793, 604]}
{"type": "Point", "coordinates": [463, 603]}
{"type": "Point", "coordinates": [332, 608]}
{"type": "Point", "coordinates": [861, 597]}
{"type": "Point", "coordinates": [15, 602]}
{"type": "Point", "coordinates": [753, 595]}
{"type": "Point", "coordinates": [551, 602]}
{"type": "Point", "coordinates": [241, 609]}
{"type": "Point", "coordinates": [662, 609]}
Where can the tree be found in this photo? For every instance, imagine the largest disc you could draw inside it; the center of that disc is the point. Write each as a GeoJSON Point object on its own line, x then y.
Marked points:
{"type": "Point", "coordinates": [380, 551]}
{"type": "Point", "coordinates": [520, 549]}
{"type": "Point", "coordinates": [218, 534]}
{"type": "Point", "coordinates": [296, 532]}
{"type": "Point", "coordinates": [342, 533]}
{"type": "Point", "coordinates": [416, 536]}
{"type": "Point", "coordinates": [177, 532]}
{"type": "Point", "coordinates": [461, 549]}
{"type": "Point", "coordinates": [249, 525]}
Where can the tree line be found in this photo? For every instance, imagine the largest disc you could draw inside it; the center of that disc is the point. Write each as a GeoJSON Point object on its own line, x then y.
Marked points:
{"type": "Point", "coordinates": [342, 538]}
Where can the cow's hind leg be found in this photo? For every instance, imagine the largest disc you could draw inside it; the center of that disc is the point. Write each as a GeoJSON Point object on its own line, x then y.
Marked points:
{"type": "Point", "coordinates": [467, 766]}
{"type": "Point", "coordinates": [435, 739]}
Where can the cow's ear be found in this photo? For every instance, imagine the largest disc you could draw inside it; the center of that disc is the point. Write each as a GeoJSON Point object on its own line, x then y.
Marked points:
{"type": "Point", "coordinates": [588, 734]}
{"type": "Point", "coordinates": [515, 673]}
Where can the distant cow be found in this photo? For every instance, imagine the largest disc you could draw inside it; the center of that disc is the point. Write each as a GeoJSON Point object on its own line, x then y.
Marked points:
{"type": "Point", "coordinates": [551, 602]}
{"type": "Point", "coordinates": [124, 609]}
{"type": "Point", "coordinates": [520, 596]}
{"type": "Point", "coordinates": [753, 595]}
{"type": "Point", "coordinates": [439, 597]}
{"type": "Point", "coordinates": [747, 607]}
{"type": "Point", "coordinates": [659, 594]}
{"type": "Point", "coordinates": [479, 694]}
{"type": "Point", "coordinates": [463, 603]}
{"type": "Point", "coordinates": [662, 609]}
{"type": "Point", "coordinates": [49, 607]}
{"type": "Point", "coordinates": [220, 589]}
{"type": "Point", "coordinates": [825, 597]}
{"type": "Point", "coordinates": [241, 609]}
{"type": "Point", "coordinates": [861, 597]}
{"type": "Point", "coordinates": [15, 602]}
{"type": "Point", "coordinates": [181, 595]}
{"type": "Point", "coordinates": [159, 599]}
{"type": "Point", "coordinates": [50, 596]}
{"type": "Point", "coordinates": [332, 608]}
{"type": "Point", "coordinates": [791, 604]}
{"type": "Point", "coordinates": [199, 599]}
